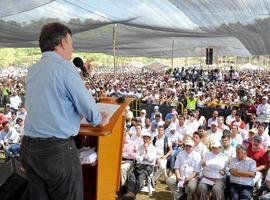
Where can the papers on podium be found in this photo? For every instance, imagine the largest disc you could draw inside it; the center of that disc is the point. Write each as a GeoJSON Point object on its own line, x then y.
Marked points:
{"type": "Point", "coordinates": [109, 109]}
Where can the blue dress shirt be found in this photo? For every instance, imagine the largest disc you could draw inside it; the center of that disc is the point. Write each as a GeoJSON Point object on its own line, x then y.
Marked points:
{"type": "Point", "coordinates": [56, 98]}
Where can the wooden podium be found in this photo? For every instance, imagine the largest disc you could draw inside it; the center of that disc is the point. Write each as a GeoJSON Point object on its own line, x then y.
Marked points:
{"type": "Point", "coordinates": [102, 178]}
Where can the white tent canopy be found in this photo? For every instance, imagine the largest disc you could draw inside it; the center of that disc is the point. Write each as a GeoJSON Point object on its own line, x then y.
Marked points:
{"type": "Point", "coordinates": [155, 66]}
{"type": "Point", "coordinates": [249, 66]}
{"type": "Point", "coordinates": [144, 28]}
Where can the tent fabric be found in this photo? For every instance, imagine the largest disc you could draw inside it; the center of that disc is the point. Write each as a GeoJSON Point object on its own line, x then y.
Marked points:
{"type": "Point", "coordinates": [144, 28]}
{"type": "Point", "coordinates": [155, 66]}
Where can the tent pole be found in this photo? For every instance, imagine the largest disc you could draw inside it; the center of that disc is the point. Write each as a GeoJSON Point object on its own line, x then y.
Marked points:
{"type": "Point", "coordinates": [114, 54]}
{"type": "Point", "coordinates": [172, 54]}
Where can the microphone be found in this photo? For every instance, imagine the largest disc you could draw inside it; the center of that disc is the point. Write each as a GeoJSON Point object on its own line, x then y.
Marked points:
{"type": "Point", "coordinates": [78, 62]}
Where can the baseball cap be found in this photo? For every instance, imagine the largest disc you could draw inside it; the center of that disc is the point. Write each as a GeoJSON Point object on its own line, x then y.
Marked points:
{"type": "Point", "coordinates": [172, 127]}
{"type": "Point", "coordinates": [216, 144]}
{"type": "Point", "coordinates": [156, 108]}
{"type": "Point", "coordinates": [146, 134]}
{"type": "Point", "coordinates": [143, 111]}
{"type": "Point", "coordinates": [254, 130]}
{"type": "Point", "coordinates": [257, 138]}
{"type": "Point", "coordinates": [189, 142]}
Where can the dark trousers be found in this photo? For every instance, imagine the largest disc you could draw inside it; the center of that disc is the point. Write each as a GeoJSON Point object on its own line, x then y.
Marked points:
{"type": "Point", "coordinates": [53, 169]}
{"type": "Point", "coordinates": [137, 176]}
{"type": "Point", "coordinates": [243, 192]}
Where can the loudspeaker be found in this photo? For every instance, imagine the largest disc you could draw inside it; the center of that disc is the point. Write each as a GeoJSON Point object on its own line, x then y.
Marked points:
{"type": "Point", "coordinates": [209, 56]}
{"type": "Point", "coordinates": [13, 182]}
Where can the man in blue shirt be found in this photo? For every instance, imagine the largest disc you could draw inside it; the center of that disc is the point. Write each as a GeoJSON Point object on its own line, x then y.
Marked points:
{"type": "Point", "coordinates": [56, 98]}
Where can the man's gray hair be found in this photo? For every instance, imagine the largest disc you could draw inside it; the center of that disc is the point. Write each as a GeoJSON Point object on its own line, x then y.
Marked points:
{"type": "Point", "coordinates": [242, 147]}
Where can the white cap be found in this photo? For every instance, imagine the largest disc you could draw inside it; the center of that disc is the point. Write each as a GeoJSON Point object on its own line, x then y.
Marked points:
{"type": "Point", "coordinates": [189, 142]}
{"type": "Point", "coordinates": [146, 134]}
{"type": "Point", "coordinates": [214, 123]}
{"type": "Point", "coordinates": [143, 111]}
{"type": "Point", "coordinates": [172, 127]}
{"type": "Point", "coordinates": [265, 97]}
{"type": "Point", "coordinates": [216, 144]}
{"type": "Point", "coordinates": [156, 108]}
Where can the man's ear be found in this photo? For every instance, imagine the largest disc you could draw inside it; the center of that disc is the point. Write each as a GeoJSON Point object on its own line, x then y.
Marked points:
{"type": "Point", "coordinates": [63, 43]}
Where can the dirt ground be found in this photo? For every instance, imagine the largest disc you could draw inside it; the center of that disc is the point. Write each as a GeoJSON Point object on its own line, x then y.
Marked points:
{"type": "Point", "coordinates": [161, 192]}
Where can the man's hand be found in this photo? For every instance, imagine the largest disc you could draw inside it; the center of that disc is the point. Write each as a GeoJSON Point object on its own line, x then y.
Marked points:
{"type": "Point", "coordinates": [105, 118]}
{"type": "Point", "coordinates": [88, 66]}
{"type": "Point", "coordinates": [203, 163]}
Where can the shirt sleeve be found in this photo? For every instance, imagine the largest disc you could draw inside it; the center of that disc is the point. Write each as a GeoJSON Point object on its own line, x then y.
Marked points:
{"type": "Point", "coordinates": [81, 98]}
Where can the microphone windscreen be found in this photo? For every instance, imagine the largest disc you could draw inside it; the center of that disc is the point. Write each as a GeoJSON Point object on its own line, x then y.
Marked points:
{"type": "Point", "coordinates": [78, 62]}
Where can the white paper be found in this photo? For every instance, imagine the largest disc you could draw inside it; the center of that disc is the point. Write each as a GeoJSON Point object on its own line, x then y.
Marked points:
{"type": "Point", "coordinates": [181, 182]}
{"type": "Point", "coordinates": [207, 181]}
{"type": "Point", "coordinates": [87, 155]}
{"type": "Point", "coordinates": [109, 109]}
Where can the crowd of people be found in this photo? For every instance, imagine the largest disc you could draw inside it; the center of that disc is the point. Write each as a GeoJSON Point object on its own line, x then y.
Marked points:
{"type": "Point", "coordinates": [196, 154]}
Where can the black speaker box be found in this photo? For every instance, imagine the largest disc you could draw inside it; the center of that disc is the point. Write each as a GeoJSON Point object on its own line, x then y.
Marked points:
{"type": "Point", "coordinates": [13, 182]}
{"type": "Point", "coordinates": [209, 56]}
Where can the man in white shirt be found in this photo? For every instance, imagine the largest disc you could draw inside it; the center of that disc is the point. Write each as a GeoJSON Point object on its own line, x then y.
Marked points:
{"type": "Point", "coordinates": [146, 159]}
{"type": "Point", "coordinates": [230, 118]}
{"type": "Point", "coordinates": [213, 118]}
{"type": "Point", "coordinates": [227, 149]}
{"type": "Point", "coordinates": [177, 141]}
{"type": "Point", "coordinates": [214, 134]}
{"type": "Point", "coordinates": [263, 111]}
{"type": "Point", "coordinates": [198, 146]}
{"type": "Point", "coordinates": [9, 139]}
{"type": "Point", "coordinates": [221, 125]}
{"type": "Point", "coordinates": [143, 116]}
{"type": "Point", "coordinates": [213, 174]}
{"type": "Point", "coordinates": [264, 136]}
{"type": "Point", "coordinates": [243, 171]}
{"type": "Point", "coordinates": [187, 168]}
{"type": "Point", "coordinates": [15, 101]}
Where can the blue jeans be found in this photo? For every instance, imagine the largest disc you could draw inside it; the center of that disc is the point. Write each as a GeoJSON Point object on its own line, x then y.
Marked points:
{"type": "Point", "coordinates": [243, 192]}
{"type": "Point", "coordinates": [14, 149]}
{"type": "Point", "coordinates": [52, 168]}
{"type": "Point", "coordinates": [172, 157]}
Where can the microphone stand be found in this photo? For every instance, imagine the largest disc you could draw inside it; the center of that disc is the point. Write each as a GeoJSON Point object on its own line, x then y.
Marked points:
{"type": "Point", "coordinates": [86, 75]}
